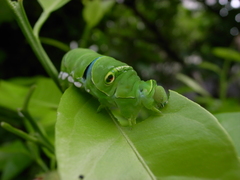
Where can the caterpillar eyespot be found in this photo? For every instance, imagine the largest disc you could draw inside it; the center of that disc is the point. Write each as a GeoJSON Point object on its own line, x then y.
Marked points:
{"type": "Point", "coordinates": [127, 98]}
{"type": "Point", "coordinates": [109, 78]}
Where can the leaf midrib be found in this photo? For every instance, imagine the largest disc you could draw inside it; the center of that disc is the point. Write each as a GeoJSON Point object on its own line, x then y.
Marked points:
{"type": "Point", "coordinates": [138, 155]}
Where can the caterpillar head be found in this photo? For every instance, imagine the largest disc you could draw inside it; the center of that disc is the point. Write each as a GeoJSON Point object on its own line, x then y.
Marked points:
{"type": "Point", "coordinates": [105, 74]}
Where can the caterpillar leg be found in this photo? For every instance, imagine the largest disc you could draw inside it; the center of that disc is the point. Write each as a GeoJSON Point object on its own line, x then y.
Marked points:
{"type": "Point", "coordinates": [101, 107]}
{"type": "Point", "coordinates": [160, 96]}
{"type": "Point", "coordinates": [121, 120]}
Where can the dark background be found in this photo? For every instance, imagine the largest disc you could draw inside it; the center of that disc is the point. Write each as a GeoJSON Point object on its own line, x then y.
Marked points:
{"type": "Point", "coordinates": [159, 38]}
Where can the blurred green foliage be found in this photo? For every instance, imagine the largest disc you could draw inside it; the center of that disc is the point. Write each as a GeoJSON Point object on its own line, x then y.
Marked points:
{"type": "Point", "coordinates": [158, 38]}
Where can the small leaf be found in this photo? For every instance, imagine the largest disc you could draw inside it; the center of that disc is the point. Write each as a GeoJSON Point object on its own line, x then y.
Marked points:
{"type": "Point", "coordinates": [192, 84]}
{"type": "Point", "coordinates": [52, 5]}
{"type": "Point", "coordinates": [227, 54]}
{"type": "Point", "coordinates": [185, 142]}
{"type": "Point", "coordinates": [210, 66]}
{"type": "Point", "coordinates": [92, 18]}
{"type": "Point", "coordinates": [107, 5]}
{"type": "Point", "coordinates": [94, 11]}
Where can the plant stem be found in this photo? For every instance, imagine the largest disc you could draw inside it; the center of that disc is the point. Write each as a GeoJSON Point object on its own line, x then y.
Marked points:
{"type": "Point", "coordinates": [25, 114]}
{"type": "Point", "coordinates": [40, 135]}
{"type": "Point", "coordinates": [34, 150]}
{"type": "Point", "coordinates": [223, 79]}
{"type": "Point", "coordinates": [85, 37]}
{"type": "Point", "coordinates": [18, 132]}
{"type": "Point", "coordinates": [55, 43]}
{"type": "Point", "coordinates": [44, 16]}
{"type": "Point", "coordinates": [24, 135]}
{"type": "Point", "coordinates": [33, 40]}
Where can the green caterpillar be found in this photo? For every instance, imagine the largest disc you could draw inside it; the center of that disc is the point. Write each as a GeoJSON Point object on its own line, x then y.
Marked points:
{"type": "Point", "coordinates": [115, 84]}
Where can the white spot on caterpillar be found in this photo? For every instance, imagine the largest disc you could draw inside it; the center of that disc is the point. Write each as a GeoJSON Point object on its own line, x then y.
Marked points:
{"type": "Point", "coordinates": [60, 75]}
{"type": "Point", "coordinates": [70, 79]}
{"type": "Point", "coordinates": [64, 75]}
{"type": "Point", "coordinates": [20, 113]}
{"type": "Point", "coordinates": [78, 84]}
{"type": "Point", "coordinates": [88, 90]}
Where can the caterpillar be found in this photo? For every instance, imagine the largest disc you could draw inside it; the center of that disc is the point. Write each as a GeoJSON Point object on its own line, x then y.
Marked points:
{"type": "Point", "coordinates": [115, 84]}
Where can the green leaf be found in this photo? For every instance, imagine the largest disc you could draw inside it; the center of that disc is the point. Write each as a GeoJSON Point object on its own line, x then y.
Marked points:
{"type": "Point", "coordinates": [43, 103]}
{"type": "Point", "coordinates": [46, 95]}
{"type": "Point", "coordinates": [231, 123]}
{"type": "Point", "coordinates": [11, 95]}
{"type": "Point", "coordinates": [14, 158]}
{"type": "Point", "coordinates": [92, 19]}
{"type": "Point", "coordinates": [52, 5]}
{"type": "Point", "coordinates": [98, 7]}
{"type": "Point", "coordinates": [185, 142]}
{"type": "Point", "coordinates": [227, 54]}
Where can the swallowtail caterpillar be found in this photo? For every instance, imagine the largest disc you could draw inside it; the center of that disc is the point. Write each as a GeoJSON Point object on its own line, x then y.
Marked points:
{"type": "Point", "coordinates": [115, 84]}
